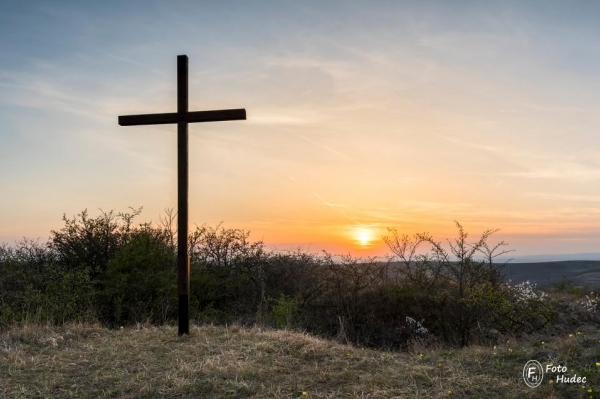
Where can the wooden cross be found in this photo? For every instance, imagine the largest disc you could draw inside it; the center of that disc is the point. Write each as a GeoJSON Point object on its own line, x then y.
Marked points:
{"type": "Point", "coordinates": [182, 117]}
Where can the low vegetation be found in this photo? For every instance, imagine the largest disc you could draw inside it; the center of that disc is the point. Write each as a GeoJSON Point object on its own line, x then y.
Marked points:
{"type": "Point", "coordinates": [92, 310]}
{"type": "Point", "coordinates": [108, 270]}
{"type": "Point", "coordinates": [82, 360]}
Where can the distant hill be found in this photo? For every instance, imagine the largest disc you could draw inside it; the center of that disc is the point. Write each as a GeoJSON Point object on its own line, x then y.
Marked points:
{"type": "Point", "coordinates": [551, 258]}
{"type": "Point", "coordinates": [581, 272]}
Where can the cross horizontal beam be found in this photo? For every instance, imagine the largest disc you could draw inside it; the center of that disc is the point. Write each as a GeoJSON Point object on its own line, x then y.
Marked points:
{"type": "Point", "coordinates": [190, 117]}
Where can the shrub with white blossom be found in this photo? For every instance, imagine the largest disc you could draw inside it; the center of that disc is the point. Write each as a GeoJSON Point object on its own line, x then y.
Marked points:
{"type": "Point", "coordinates": [590, 304]}
{"type": "Point", "coordinates": [525, 291]}
{"type": "Point", "coordinates": [415, 327]}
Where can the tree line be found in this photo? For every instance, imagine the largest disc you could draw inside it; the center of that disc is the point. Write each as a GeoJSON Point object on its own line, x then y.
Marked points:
{"type": "Point", "coordinates": [110, 270]}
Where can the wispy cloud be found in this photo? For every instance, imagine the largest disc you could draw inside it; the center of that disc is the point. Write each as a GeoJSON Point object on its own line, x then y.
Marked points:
{"type": "Point", "coordinates": [27, 89]}
{"type": "Point", "coordinates": [260, 117]}
{"type": "Point", "coordinates": [338, 154]}
{"type": "Point", "coordinates": [563, 109]}
{"type": "Point", "coordinates": [327, 203]}
{"type": "Point", "coordinates": [557, 196]}
{"type": "Point", "coordinates": [560, 171]}
{"type": "Point", "coordinates": [337, 69]}
{"type": "Point", "coordinates": [48, 100]}
{"type": "Point", "coordinates": [478, 146]}
{"type": "Point", "coordinates": [137, 63]}
{"type": "Point", "coordinates": [340, 209]}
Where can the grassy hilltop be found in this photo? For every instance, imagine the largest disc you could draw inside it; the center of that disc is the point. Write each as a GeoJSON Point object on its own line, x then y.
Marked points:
{"type": "Point", "coordinates": [89, 361]}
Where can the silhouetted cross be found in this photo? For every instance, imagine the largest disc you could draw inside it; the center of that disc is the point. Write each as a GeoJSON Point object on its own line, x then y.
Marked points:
{"type": "Point", "coordinates": [182, 117]}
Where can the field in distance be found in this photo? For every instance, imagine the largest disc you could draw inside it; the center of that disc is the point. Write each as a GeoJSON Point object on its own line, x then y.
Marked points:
{"type": "Point", "coordinates": [580, 272]}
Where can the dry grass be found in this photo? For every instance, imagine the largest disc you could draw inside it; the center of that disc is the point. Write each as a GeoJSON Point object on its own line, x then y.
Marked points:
{"type": "Point", "coordinates": [216, 362]}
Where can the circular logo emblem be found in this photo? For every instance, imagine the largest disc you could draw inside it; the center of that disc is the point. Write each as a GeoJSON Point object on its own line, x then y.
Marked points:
{"type": "Point", "coordinates": [533, 373]}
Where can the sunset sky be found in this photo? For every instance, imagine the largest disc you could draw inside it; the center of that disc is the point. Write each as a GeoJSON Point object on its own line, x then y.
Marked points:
{"type": "Point", "coordinates": [361, 116]}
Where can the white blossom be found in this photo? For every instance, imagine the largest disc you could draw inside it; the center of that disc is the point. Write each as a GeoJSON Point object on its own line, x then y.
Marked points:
{"type": "Point", "coordinates": [526, 291]}
{"type": "Point", "coordinates": [416, 327]}
{"type": "Point", "coordinates": [590, 303]}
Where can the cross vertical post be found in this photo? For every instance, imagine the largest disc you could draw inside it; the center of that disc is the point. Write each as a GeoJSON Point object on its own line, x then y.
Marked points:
{"type": "Point", "coordinates": [183, 260]}
{"type": "Point", "coordinates": [182, 117]}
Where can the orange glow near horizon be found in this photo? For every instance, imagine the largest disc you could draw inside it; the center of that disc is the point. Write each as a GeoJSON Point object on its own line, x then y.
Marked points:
{"type": "Point", "coordinates": [365, 239]}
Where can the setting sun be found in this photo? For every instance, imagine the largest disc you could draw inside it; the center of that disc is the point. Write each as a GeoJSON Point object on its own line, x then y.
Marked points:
{"type": "Point", "coordinates": [363, 235]}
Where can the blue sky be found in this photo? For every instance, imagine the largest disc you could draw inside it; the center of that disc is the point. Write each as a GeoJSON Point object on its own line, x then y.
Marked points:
{"type": "Point", "coordinates": [361, 116]}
